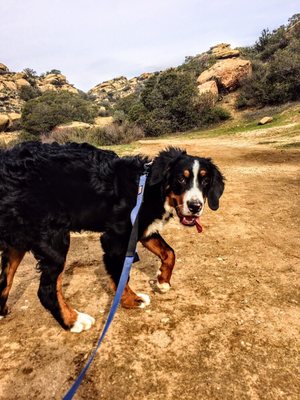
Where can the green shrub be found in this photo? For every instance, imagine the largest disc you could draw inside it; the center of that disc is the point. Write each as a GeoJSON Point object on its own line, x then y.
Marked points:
{"type": "Point", "coordinates": [168, 102]}
{"type": "Point", "coordinates": [215, 115]}
{"type": "Point", "coordinates": [276, 67]}
{"type": "Point", "coordinates": [275, 82]}
{"type": "Point", "coordinates": [29, 92]}
{"type": "Point", "coordinates": [31, 76]}
{"type": "Point", "coordinates": [53, 71]}
{"type": "Point", "coordinates": [42, 114]}
{"type": "Point", "coordinates": [208, 112]}
{"type": "Point", "coordinates": [241, 101]}
{"type": "Point", "coordinates": [196, 65]}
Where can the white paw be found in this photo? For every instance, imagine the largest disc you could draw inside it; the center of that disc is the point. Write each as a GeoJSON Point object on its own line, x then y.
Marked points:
{"type": "Point", "coordinates": [1, 317]}
{"type": "Point", "coordinates": [83, 323]}
{"type": "Point", "coordinates": [145, 298]}
{"type": "Point", "coordinates": [163, 287]}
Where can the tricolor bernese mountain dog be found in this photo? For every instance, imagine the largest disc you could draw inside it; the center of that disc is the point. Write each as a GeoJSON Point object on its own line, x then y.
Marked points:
{"type": "Point", "coordinates": [50, 190]}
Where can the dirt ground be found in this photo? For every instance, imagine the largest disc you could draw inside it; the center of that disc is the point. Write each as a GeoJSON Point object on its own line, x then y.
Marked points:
{"type": "Point", "coordinates": [228, 328]}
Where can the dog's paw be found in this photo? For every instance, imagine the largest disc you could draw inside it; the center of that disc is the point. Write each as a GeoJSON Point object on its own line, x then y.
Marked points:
{"type": "Point", "coordinates": [159, 287]}
{"type": "Point", "coordinates": [145, 300]}
{"type": "Point", "coordinates": [163, 287]}
{"type": "Point", "coordinates": [83, 323]}
{"type": "Point", "coordinates": [1, 317]}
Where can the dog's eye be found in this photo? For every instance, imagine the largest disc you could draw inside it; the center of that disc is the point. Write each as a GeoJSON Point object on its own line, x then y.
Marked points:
{"type": "Point", "coordinates": [181, 179]}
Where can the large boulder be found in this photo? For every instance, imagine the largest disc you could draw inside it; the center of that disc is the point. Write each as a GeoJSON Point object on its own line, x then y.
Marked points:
{"type": "Point", "coordinates": [15, 119]}
{"type": "Point", "coordinates": [222, 51]}
{"type": "Point", "coordinates": [227, 73]}
{"type": "Point", "coordinates": [209, 87]}
{"type": "Point", "coordinates": [4, 122]}
{"type": "Point", "coordinates": [10, 85]}
{"type": "Point", "coordinates": [55, 82]}
{"type": "Point", "coordinates": [21, 82]}
{"type": "Point", "coordinates": [55, 79]}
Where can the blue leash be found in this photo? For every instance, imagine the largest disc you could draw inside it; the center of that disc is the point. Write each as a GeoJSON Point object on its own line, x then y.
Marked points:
{"type": "Point", "coordinates": [129, 259]}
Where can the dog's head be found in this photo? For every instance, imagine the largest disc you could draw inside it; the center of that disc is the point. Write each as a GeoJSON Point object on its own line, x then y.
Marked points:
{"type": "Point", "coordinates": [187, 182]}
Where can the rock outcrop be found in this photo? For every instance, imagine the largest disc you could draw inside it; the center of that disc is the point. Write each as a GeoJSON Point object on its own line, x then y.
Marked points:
{"type": "Point", "coordinates": [221, 78]}
{"type": "Point", "coordinates": [227, 73]}
{"type": "Point", "coordinates": [209, 87]}
{"type": "Point", "coordinates": [55, 82]}
{"type": "Point", "coordinates": [109, 92]}
{"type": "Point", "coordinates": [11, 83]}
{"type": "Point", "coordinates": [223, 51]}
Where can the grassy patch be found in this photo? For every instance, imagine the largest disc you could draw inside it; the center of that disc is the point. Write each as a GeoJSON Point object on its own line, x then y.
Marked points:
{"type": "Point", "coordinates": [123, 149]}
{"type": "Point", "coordinates": [284, 116]}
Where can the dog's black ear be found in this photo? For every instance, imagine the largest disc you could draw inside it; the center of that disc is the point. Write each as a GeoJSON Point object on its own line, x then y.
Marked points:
{"type": "Point", "coordinates": [216, 188]}
{"type": "Point", "coordinates": [162, 164]}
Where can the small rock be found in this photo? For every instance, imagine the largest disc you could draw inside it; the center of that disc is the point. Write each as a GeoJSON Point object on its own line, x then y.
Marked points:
{"type": "Point", "coordinates": [265, 120]}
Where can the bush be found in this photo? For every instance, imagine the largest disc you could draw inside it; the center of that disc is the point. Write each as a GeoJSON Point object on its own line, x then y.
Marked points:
{"type": "Point", "coordinates": [29, 92]}
{"type": "Point", "coordinates": [275, 82]}
{"type": "Point", "coordinates": [42, 114]}
{"type": "Point", "coordinates": [53, 71]}
{"type": "Point", "coordinates": [104, 136]}
{"type": "Point", "coordinates": [31, 76]}
{"type": "Point", "coordinates": [208, 113]}
{"type": "Point", "coordinates": [168, 102]}
{"type": "Point", "coordinates": [196, 65]}
{"type": "Point", "coordinates": [276, 67]}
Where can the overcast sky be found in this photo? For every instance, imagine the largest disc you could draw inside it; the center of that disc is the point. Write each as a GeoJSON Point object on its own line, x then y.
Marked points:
{"type": "Point", "coordinates": [94, 40]}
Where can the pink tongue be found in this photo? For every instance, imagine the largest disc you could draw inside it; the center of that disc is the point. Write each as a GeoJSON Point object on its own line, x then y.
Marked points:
{"type": "Point", "coordinates": [191, 221]}
{"type": "Point", "coordinates": [198, 225]}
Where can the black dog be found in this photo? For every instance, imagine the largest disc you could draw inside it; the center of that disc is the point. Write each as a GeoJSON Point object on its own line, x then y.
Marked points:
{"type": "Point", "coordinates": [48, 190]}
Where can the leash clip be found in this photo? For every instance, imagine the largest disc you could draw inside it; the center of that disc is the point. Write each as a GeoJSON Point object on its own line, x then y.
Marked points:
{"type": "Point", "coordinates": [147, 167]}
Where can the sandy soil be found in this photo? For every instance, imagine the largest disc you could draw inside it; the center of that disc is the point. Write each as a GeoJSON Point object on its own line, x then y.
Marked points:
{"type": "Point", "coordinates": [229, 327]}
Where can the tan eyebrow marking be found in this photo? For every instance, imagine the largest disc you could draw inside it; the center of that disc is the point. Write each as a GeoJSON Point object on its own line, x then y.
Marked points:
{"type": "Point", "coordinates": [203, 172]}
{"type": "Point", "coordinates": [186, 173]}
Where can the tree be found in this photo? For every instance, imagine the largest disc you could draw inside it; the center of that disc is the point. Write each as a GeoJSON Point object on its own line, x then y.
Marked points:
{"type": "Point", "coordinates": [168, 102]}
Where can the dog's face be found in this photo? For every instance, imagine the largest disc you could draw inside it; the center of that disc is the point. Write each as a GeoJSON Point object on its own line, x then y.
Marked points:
{"type": "Point", "coordinates": [187, 183]}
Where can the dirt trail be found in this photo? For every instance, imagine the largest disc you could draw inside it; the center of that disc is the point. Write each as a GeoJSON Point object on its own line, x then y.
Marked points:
{"type": "Point", "coordinates": [228, 329]}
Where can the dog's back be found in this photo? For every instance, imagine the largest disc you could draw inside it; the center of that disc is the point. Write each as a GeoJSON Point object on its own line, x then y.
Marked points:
{"type": "Point", "coordinates": [38, 179]}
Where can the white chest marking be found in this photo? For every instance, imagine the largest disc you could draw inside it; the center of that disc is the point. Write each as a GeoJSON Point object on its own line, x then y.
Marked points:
{"type": "Point", "coordinates": [158, 224]}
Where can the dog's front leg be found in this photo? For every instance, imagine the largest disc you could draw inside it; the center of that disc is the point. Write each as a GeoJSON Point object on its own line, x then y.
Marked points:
{"type": "Point", "coordinates": [115, 247]}
{"type": "Point", "coordinates": [157, 245]}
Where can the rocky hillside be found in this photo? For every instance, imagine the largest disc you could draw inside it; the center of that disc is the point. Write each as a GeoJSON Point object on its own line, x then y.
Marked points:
{"type": "Point", "coordinates": [109, 92]}
{"type": "Point", "coordinates": [226, 74]}
{"type": "Point", "coordinates": [222, 77]}
{"type": "Point", "coordinates": [12, 84]}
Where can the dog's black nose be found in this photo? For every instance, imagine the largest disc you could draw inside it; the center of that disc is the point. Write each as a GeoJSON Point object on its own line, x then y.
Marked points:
{"type": "Point", "coordinates": [194, 206]}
